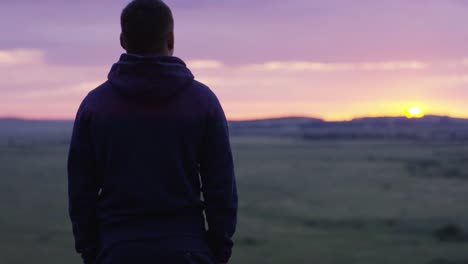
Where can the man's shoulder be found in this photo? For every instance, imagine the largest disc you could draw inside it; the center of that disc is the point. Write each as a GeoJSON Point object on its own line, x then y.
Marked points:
{"type": "Point", "coordinates": [98, 91]}
{"type": "Point", "coordinates": [94, 95]}
{"type": "Point", "coordinates": [204, 91]}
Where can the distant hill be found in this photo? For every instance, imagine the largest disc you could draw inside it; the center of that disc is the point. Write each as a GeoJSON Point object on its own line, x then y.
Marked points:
{"type": "Point", "coordinates": [13, 124]}
{"type": "Point", "coordinates": [271, 127]}
{"type": "Point", "coordinates": [426, 128]}
{"type": "Point", "coordinates": [26, 133]}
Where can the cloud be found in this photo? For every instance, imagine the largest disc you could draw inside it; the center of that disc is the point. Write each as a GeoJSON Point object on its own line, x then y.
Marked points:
{"type": "Point", "coordinates": [25, 73]}
{"type": "Point", "coordinates": [393, 66]}
{"type": "Point", "coordinates": [204, 64]}
{"type": "Point", "coordinates": [219, 3]}
{"type": "Point", "coordinates": [331, 67]}
{"type": "Point", "coordinates": [21, 57]}
{"type": "Point", "coordinates": [298, 66]}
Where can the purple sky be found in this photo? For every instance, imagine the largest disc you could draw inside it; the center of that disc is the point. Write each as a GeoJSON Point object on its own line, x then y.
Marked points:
{"type": "Point", "coordinates": [334, 59]}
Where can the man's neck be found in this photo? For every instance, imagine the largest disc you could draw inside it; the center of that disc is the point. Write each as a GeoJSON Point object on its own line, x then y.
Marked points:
{"type": "Point", "coordinates": [149, 54]}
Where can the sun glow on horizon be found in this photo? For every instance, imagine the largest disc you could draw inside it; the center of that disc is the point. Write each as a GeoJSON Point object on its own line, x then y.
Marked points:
{"type": "Point", "coordinates": [414, 112]}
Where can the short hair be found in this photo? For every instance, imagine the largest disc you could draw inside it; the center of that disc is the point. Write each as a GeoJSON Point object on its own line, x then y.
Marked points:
{"type": "Point", "coordinates": [145, 25]}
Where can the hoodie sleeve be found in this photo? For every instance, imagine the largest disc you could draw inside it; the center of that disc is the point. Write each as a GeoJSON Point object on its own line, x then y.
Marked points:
{"type": "Point", "coordinates": [219, 184]}
{"type": "Point", "coordinates": [83, 189]}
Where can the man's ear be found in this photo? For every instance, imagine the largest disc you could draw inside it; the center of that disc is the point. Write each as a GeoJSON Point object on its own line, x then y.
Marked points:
{"type": "Point", "coordinates": [123, 42]}
{"type": "Point", "coordinates": [170, 42]}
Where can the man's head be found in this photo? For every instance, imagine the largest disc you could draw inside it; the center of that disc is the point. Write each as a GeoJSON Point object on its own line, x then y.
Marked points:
{"type": "Point", "coordinates": [147, 28]}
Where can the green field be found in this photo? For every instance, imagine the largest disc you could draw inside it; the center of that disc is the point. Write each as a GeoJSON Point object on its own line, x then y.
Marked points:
{"type": "Point", "coordinates": [300, 202]}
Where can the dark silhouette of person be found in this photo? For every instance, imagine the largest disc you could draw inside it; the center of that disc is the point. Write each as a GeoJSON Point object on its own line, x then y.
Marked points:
{"type": "Point", "coordinates": [150, 169]}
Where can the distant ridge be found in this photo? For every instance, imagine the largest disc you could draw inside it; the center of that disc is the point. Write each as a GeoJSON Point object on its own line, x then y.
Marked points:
{"type": "Point", "coordinates": [427, 128]}
{"type": "Point", "coordinates": [23, 127]}
{"type": "Point", "coordinates": [13, 120]}
{"type": "Point", "coordinates": [285, 119]}
{"type": "Point", "coordinates": [430, 127]}
{"type": "Point", "coordinates": [383, 120]}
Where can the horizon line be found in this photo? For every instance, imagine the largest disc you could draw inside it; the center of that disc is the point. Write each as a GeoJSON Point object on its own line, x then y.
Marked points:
{"type": "Point", "coordinates": [273, 117]}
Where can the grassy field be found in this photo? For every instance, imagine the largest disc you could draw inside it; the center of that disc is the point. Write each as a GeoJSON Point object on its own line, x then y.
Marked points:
{"type": "Point", "coordinates": [300, 202]}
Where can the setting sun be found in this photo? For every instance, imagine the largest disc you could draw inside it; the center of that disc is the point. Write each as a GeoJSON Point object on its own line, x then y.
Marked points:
{"type": "Point", "coordinates": [414, 112]}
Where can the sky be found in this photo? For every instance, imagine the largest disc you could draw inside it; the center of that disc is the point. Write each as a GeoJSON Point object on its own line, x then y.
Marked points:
{"type": "Point", "coordinates": [333, 59]}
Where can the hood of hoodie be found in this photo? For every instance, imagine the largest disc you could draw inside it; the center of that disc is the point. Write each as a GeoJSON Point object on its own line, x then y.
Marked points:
{"type": "Point", "coordinates": [150, 77]}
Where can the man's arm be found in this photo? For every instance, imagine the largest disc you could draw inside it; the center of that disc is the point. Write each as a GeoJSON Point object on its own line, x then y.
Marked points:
{"type": "Point", "coordinates": [83, 189]}
{"type": "Point", "coordinates": [219, 185]}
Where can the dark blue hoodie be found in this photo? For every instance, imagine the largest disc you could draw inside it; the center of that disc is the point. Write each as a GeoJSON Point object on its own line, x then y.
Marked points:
{"type": "Point", "coordinates": [147, 145]}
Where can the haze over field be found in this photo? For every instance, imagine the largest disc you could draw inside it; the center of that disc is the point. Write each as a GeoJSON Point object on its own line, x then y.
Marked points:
{"type": "Point", "coordinates": [332, 59]}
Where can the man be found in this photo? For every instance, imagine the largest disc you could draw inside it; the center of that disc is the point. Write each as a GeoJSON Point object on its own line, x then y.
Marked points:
{"type": "Point", "coordinates": [146, 145]}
